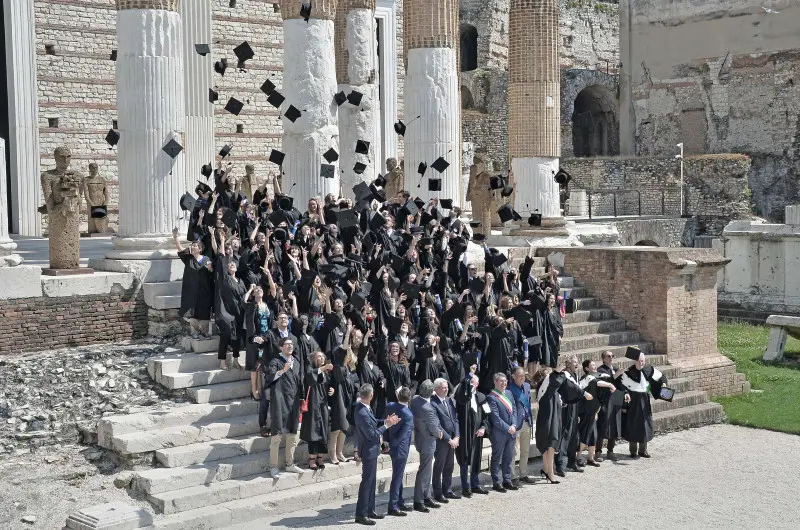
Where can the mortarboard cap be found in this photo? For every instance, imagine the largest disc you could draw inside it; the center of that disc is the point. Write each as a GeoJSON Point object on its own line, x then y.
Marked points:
{"type": "Point", "coordinates": [447, 204]}
{"type": "Point", "coordinates": [276, 157]}
{"type": "Point", "coordinates": [378, 195]}
{"type": "Point", "coordinates": [202, 187]}
{"type": "Point", "coordinates": [225, 151]}
{"type": "Point", "coordinates": [187, 202]}
{"type": "Point", "coordinates": [362, 191]}
{"type": "Point", "coordinates": [357, 300]}
{"type": "Point", "coordinates": [409, 208]}
{"type": "Point", "coordinates": [285, 202]}
{"type": "Point", "coordinates": [305, 10]}
{"type": "Point", "coordinates": [334, 271]}
{"type": "Point", "coordinates": [327, 171]}
{"type": "Point", "coordinates": [275, 99]}
{"type": "Point", "coordinates": [113, 56]}
{"type": "Point", "coordinates": [377, 221]}
{"type": "Point", "coordinates": [362, 147]}
{"type": "Point", "coordinates": [346, 218]}
{"type": "Point", "coordinates": [420, 203]}
{"type": "Point", "coordinates": [424, 242]}
{"type": "Point", "coordinates": [475, 224]}
{"type": "Point", "coordinates": [497, 182]}
{"type": "Point", "coordinates": [229, 218]}
{"type": "Point", "coordinates": [359, 168]}
{"type": "Point", "coordinates": [173, 148]}
{"type": "Point", "coordinates": [440, 164]}
{"type": "Point", "coordinates": [507, 213]}
{"type": "Point", "coordinates": [292, 113]}
{"type": "Point", "coordinates": [422, 168]}
{"type": "Point", "coordinates": [411, 290]}
{"type": "Point", "coordinates": [213, 95]}
{"type": "Point", "coordinates": [234, 106]}
{"type": "Point", "coordinates": [244, 53]}
{"type": "Point", "coordinates": [477, 285]}
{"type": "Point", "coordinates": [112, 137]}
{"type": "Point", "coordinates": [220, 66]}
{"type": "Point", "coordinates": [479, 237]}
{"type": "Point", "coordinates": [535, 219]}
{"type": "Point", "coordinates": [99, 212]}
{"type": "Point", "coordinates": [507, 191]}
{"type": "Point", "coordinates": [380, 181]}
{"type": "Point", "coordinates": [633, 353]}
{"type": "Point", "coordinates": [277, 217]}
{"type": "Point", "coordinates": [434, 184]}
{"type": "Point", "coordinates": [339, 98]}
{"type": "Point", "coordinates": [331, 155]}
{"type": "Point", "coordinates": [202, 49]}
{"type": "Point", "coordinates": [268, 87]}
{"type": "Point", "coordinates": [354, 97]}
{"type": "Point", "coordinates": [400, 128]}
{"type": "Point", "coordinates": [393, 324]}
{"type": "Point", "coordinates": [206, 170]}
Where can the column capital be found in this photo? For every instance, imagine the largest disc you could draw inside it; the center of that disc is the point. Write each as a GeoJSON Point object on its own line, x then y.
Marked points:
{"type": "Point", "coordinates": [431, 24]}
{"type": "Point", "coordinates": [166, 5]}
{"type": "Point", "coordinates": [320, 9]}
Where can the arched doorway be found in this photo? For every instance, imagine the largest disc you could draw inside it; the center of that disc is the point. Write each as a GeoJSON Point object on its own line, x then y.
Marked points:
{"type": "Point", "coordinates": [469, 47]}
{"type": "Point", "coordinates": [595, 129]}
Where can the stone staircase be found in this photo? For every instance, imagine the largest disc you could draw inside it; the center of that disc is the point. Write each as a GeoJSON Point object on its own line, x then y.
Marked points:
{"type": "Point", "coordinates": [204, 465]}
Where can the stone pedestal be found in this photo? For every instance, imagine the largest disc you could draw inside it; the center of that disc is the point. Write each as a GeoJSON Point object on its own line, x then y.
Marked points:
{"type": "Point", "coordinates": [7, 246]}
{"type": "Point", "coordinates": [110, 516]}
{"type": "Point", "coordinates": [309, 83]}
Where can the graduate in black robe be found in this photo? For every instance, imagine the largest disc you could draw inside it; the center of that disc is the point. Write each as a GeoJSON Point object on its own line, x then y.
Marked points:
{"type": "Point", "coordinates": [600, 386]}
{"type": "Point", "coordinates": [567, 449]}
{"type": "Point", "coordinates": [552, 331]}
{"type": "Point", "coordinates": [428, 361]}
{"type": "Point", "coordinates": [394, 366]}
{"type": "Point", "coordinates": [473, 423]}
{"type": "Point", "coordinates": [285, 392]}
{"type": "Point", "coordinates": [306, 345]}
{"type": "Point", "coordinates": [639, 381]}
{"type": "Point", "coordinates": [369, 372]}
{"type": "Point", "coordinates": [315, 426]}
{"type": "Point", "coordinates": [229, 311]}
{"type": "Point", "coordinates": [609, 420]}
{"type": "Point", "coordinates": [499, 357]}
{"type": "Point", "coordinates": [197, 289]}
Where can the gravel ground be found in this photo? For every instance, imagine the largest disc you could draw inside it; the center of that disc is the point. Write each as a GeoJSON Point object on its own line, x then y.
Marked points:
{"type": "Point", "coordinates": [720, 476]}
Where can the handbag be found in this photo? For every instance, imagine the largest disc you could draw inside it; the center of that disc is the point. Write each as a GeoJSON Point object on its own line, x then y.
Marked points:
{"type": "Point", "coordinates": [304, 402]}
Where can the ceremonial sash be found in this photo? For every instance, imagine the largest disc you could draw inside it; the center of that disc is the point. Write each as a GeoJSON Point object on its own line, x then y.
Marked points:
{"type": "Point", "coordinates": [504, 400]}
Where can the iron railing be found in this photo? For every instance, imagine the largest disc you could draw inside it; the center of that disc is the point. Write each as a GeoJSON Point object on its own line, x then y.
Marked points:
{"type": "Point", "coordinates": [614, 193]}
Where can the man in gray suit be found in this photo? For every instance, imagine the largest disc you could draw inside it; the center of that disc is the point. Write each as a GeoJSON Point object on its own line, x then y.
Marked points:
{"type": "Point", "coordinates": [426, 431]}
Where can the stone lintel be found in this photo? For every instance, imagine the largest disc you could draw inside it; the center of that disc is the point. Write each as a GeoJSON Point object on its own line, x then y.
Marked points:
{"type": "Point", "coordinates": [320, 9]}
{"type": "Point", "coordinates": [166, 5]}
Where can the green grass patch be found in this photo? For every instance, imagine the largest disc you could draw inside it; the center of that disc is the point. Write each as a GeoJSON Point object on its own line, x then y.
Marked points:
{"type": "Point", "coordinates": [775, 402]}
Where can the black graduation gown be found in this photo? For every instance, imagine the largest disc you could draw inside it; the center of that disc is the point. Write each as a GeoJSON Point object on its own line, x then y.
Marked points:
{"type": "Point", "coordinates": [285, 394]}
{"type": "Point", "coordinates": [304, 347]}
{"type": "Point", "coordinates": [315, 426]}
{"type": "Point", "coordinates": [552, 330]}
{"type": "Point", "coordinates": [569, 427]}
{"type": "Point", "coordinates": [454, 367]}
{"type": "Point", "coordinates": [427, 367]}
{"type": "Point", "coordinates": [499, 357]}
{"type": "Point", "coordinates": [345, 384]}
{"type": "Point", "coordinates": [588, 410]}
{"type": "Point", "coordinates": [638, 423]}
{"type": "Point", "coordinates": [469, 421]}
{"type": "Point", "coordinates": [331, 334]}
{"type": "Point", "coordinates": [397, 374]}
{"type": "Point", "coordinates": [609, 421]}
{"type": "Point", "coordinates": [375, 377]}
{"type": "Point", "coordinates": [229, 314]}
{"type": "Point", "coordinates": [551, 393]}
{"type": "Point", "coordinates": [197, 289]}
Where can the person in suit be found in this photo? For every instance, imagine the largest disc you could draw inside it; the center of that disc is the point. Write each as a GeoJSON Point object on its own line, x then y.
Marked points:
{"type": "Point", "coordinates": [473, 423]}
{"type": "Point", "coordinates": [504, 418]}
{"type": "Point", "coordinates": [426, 431]}
{"type": "Point", "coordinates": [399, 439]}
{"type": "Point", "coordinates": [444, 457]}
{"type": "Point", "coordinates": [368, 437]}
{"type": "Point", "coordinates": [521, 390]}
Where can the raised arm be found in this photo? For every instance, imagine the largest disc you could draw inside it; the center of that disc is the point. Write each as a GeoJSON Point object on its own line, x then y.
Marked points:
{"type": "Point", "coordinates": [175, 239]}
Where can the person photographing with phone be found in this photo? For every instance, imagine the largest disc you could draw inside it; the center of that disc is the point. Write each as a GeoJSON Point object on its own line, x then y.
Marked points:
{"type": "Point", "coordinates": [284, 379]}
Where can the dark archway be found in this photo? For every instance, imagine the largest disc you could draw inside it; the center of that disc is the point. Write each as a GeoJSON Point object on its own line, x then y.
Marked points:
{"type": "Point", "coordinates": [469, 48]}
{"type": "Point", "coordinates": [646, 243]}
{"type": "Point", "coordinates": [595, 128]}
{"type": "Point", "coordinates": [467, 101]}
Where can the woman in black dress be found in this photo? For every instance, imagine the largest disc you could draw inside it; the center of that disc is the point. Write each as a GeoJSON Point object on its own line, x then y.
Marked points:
{"type": "Point", "coordinates": [345, 383]}
{"type": "Point", "coordinates": [229, 313]}
{"type": "Point", "coordinates": [257, 319]}
{"type": "Point", "coordinates": [600, 387]}
{"type": "Point", "coordinates": [552, 331]}
{"type": "Point", "coordinates": [393, 363]}
{"type": "Point", "coordinates": [314, 427]}
{"type": "Point", "coordinates": [197, 289]}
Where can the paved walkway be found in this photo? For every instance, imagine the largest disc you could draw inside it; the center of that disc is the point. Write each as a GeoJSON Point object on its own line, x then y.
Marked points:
{"type": "Point", "coordinates": [714, 477]}
{"type": "Point", "coordinates": [36, 251]}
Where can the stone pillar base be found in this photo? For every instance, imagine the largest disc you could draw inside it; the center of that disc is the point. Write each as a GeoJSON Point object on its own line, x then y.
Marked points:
{"type": "Point", "coordinates": [165, 323]}
{"type": "Point", "coordinates": [714, 373]}
{"type": "Point", "coordinates": [146, 270]}
{"type": "Point", "coordinates": [68, 272]}
{"type": "Point", "coordinates": [7, 256]}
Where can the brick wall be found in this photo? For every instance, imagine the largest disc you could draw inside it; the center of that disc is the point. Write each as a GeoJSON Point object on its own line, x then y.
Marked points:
{"type": "Point", "coordinates": [42, 323]}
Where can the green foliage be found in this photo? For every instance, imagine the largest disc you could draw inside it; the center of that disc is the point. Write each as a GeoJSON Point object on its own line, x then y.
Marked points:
{"type": "Point", "coordinates": [602, 7]}
{"type": "Point", "coordinates": [774, 403]}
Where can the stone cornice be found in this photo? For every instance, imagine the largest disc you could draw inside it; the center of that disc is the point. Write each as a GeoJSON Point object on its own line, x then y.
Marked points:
{"type": "Point", "coordinates": [166, 5]}
{"type": "Point", "coordinates": [320, 9]}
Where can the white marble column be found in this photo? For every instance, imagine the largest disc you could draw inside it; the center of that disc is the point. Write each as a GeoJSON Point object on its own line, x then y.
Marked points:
{"type": "Point", "coordinates": [7, 246]}
{"type": "Point", "coordinates": [23, 117]}
{"type": "Point", "coordinates": [431, 91]}
{"type": "Point", "coordinates": [467, 155]}
{"type": "Point", "coordinates": [309, 83]}
{"type": "Point", "coordinates": [198, 78]}
{"type": "Point", "coordinates": [150, 103]}
{"type": "Point", "coordinates": [357, 69]}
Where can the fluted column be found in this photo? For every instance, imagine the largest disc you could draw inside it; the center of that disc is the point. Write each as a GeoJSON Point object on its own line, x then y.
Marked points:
{"type": "Point", "coordinates": [150, 104]}
{"type": "Point", "coordinates": [23, 117]}
{"type": "Point", "coordinates": [7, 246]}
{"type": "Point", "coordinates": [431, 91]}
{"type": "Point", "coordinates": [534, 109]}
{"type": "Point", "coordinates": [198, 75]}
{"type": "Point", "coordinates": [309, 83]}
{"type": "Point", "coordinates": [357, 69]}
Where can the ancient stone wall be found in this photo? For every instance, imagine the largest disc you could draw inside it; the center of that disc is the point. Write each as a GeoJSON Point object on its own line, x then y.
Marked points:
{"type": "Point", "coordinates": [715, 187]}
{"type": "Point", "coordinates": [736, 92]}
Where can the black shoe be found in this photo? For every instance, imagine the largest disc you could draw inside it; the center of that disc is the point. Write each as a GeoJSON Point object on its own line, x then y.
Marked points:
{"type": "Point", "coordinates": [405, 508]}
{"type": "Point", "coordinates": [592, 463]}
{"type": "Point", "coordinates": [611, 455]}
{"type": "Point", "coordinates": [373, 515]}
{"type": "Point", "coordinates": [430, 504]}
{"type": "Point", "coordinates": [548, 479]}
{"type": "Point", "coordinates": [420, 507]}
{"type": "Point", "coordinates": [466, 493]}
{"type": "Point", "coordinates": [480, 491]}
{"type": "Point", "coordinates": [581, 463]}
{"type": "Point", "coordinates": [396, 513]}
{"type": "Point", "coordinates": [498, 488]}
{"type": "Point", "coordinates": [527, 480]}
{"type": "Point", "coordinates": [510, 486]}
{"type": "Point", "coordinates": [634, 456]}
{"type": "Point", "coordinates": [365, 521]}
{"type": "Point", "coordinates": [644, 455]}
{"type": "Point", "coordinates": [560, 473]}
{"type": "Point", "coordinates": [440, 499]}
{"type": "Point", "coordinates": [452, 496]}
{"type": "Point", "coordinates": [575, 468]}
{"type": "Point", "coordinates": [598, 458]}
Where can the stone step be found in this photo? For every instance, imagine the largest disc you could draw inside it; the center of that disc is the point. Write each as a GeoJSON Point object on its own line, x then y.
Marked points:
{"type": "Point", "coordinates": [220, 392]}
{"type": "Point", "coordinates": [166, 301]}
{"type": "Point", "coordinates": [567, 281]}
{"type": "Point", "coordinates": [681, 384]}
{"type": "Point", "coordinates": [588, 315]}
{"type": "Point", "coordinates": [201, 345]}
{"type": "Point", "coordinates": [153, 440]}
{"type": "Point", "coordinates": [111, 427]}
{"type": "Point", "coordinates": [583, 303]}
{"type": "Point", "coordinates": [599, 339]}
{"type": "Point", "coordinates": [182, 362]}
{"type": "Point", "coordinates": [680, 400]}
{"type": "Point", "coordinates": [574, 292]}
{"type": "Point", "coordinates": [178, 380]}
{"type": "Point", "coordinates": [618, 350]}
{"type": "Point", "coordinates": [579, 329]}
{"type": "Point", "coordinates": [685, 417]}
{"type": "Point", "coordinates": [151, 290]}
{"type": "Point", "coordinates": [204, 452]}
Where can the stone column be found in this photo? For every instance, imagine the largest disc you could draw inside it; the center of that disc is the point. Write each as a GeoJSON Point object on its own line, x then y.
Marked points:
{"type": "Point", "coordinates": [431, 91]}
{"type": "Point", "coordinates": [198, 78]}
{"type": "Point", "coordinates": [150, 103]}
{"type": "Point", "coordinates": [23, 117]}
{"type": "Point", "coordinates": [627, 114]}
{"type": "Point", "coordinates": [467, 155]}
{"type": "Point", "coordinates": [7, 246]}
{"type": "Point", "coordinates": [309, 83]}
{"type": "Point", "coordinates": [357, 69]}
{"type": "Point", "coordinates": [534, 108]}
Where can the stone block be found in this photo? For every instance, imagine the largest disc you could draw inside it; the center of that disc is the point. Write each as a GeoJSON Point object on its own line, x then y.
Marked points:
{"type": "Point", "coordinates": [793, 214]}
{"type": "Point", "coordinates": [92, 284]}
{"type": "Point", "coordinates": [146, 271]}
{"type": "Point", "coordinates": [776, 344]}
{"type": "Point", "coordinates": [110, 516]}
{"type": "Point", "coordinates": [24, 281]}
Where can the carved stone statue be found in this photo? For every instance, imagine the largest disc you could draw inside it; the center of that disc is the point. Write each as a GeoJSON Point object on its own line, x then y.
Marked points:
{"type": "Point", "coordinates": [62, 189]}
{"type": "Point", "coordinates": [395, 178]}
{"type": "Point", "coordinates": [248, 183]}
{"type": "Point", "coordinates": [479, 194]}
{"type": "Point", "coordinates": [96, 194]}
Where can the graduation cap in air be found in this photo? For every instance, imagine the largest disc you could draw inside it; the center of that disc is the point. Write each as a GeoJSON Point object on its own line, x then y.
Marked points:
{"type": "Point", "coordinates": [331, 155]}
{"type": "Point", "coordinates": [562, 177]}
{"type": "Point", "coordinates": [206, 170]}
{"type": "Point", "coordinates": [276, 157]}
{"type": "Point", "coordinates": [535, 219]}
{"type": "Point", "coordinates": [411, 290]}
{"type": "Point", "coordinates": [346, 218]}
{"type": "Point", "coordinates": [477, 285]}
{"type": "Point", "coordinates": [275, 99]}
{"type": "Point", "coordinates": [500, 262]}
{"type": "Point", "coordinates": [268, 87]}
{"type": "Point", "coordinates": [393, 324]}
{"type": "Point", "coordinates": [112, 137]}
{"type": "Point", "coordinates": [279, 216]}
{"type": "Point", "coordinates": [229, 218]}
{"type": "Point", "coordinates": [234, 106]}
{"type": "Point", "coordinates": [362, 192]}
{"type": "Point", "coordinates": [202, 188]}
{"type": "Point", "coordinates": [400, 127]}
{"type": "Point", "coordinates": [359, 168]}
{"type": "Point", "coordinates": [422, 168]}
{"type": "Point", "coordinates": [220, 66]}
{"type": "Point", "coordinates": [244, 53]}
{"type": "Point", "coordinates": [434, 184]}
{"type": "Point", "coordinates": [327, 171]}
{"type": "Point", "coordinates": [202, 49]}
{"type": "Point", "coordinates": [507, 191]}
{"type": "Point", "coordinates": [355, 97]}
{"type": "Point", "coordinates": [187, 202]}
{"type": "Point", "coordinates": [340, 98]}
{"type": "Point", "coordinates": [447, 204]}
{"type": "Point", "coordinates": [285, 203]}
{"type": "Point", "coordinates": [173, 148]}
{"type": "Point", "coordinates": [479, 238]}
{"type": "Point", "coordinates": [507, 213]}
{"type": "Point", "coordinates": [99, 212]}
{"type": "Point", "coordinates": [113, 56]}
{"type": "Point", "coordinates": [305, 10]}
{"type": "Point", "coordinates": [334, 271]}
{"type": "Point", "coordinates": [408, 209]}
{"type": "Point", "coordinates": [362, 147]}
{"type": "Point", "coordinates": [633, 353]}
{"type": "Point", "coordinates": [380, 181]}
{"type": "Point", "coordinates": [358, 300]}
{"type": "Point", "coordinates": [378, 195]}
{"type": "Point", "coordinates": [225, 151]}
{"type": "Point", "coordinates": [440, 164]}
{"type": "Point", "coordinates": [377, 221]}
{"type": "Point", "coordinates": [213, 95]}
{"type": "Point", "coordinates": [420, 203]}
{"type": "Point", "coordinates": [497, 182]}
{"type": "Point", "coordinates": [292, 113]}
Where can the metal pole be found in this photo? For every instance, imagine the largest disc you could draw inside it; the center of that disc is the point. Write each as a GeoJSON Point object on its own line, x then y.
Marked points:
{"type": "Point", "coordinates": [614, 195]}
{"type": "Point", "coordinates": [681, 157]}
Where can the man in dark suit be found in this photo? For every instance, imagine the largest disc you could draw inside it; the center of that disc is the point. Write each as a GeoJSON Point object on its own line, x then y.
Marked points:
{"type": "Point", "coordinates": [443, 461]}
{"type": "Point", "coordinates": [368, 436]}
{"type": "Point", "coordinates": [504, 420]}
{"type": "Point", "coordinates": [426, 431]}
{"type": "Point", "coordinates": [399, 439]}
